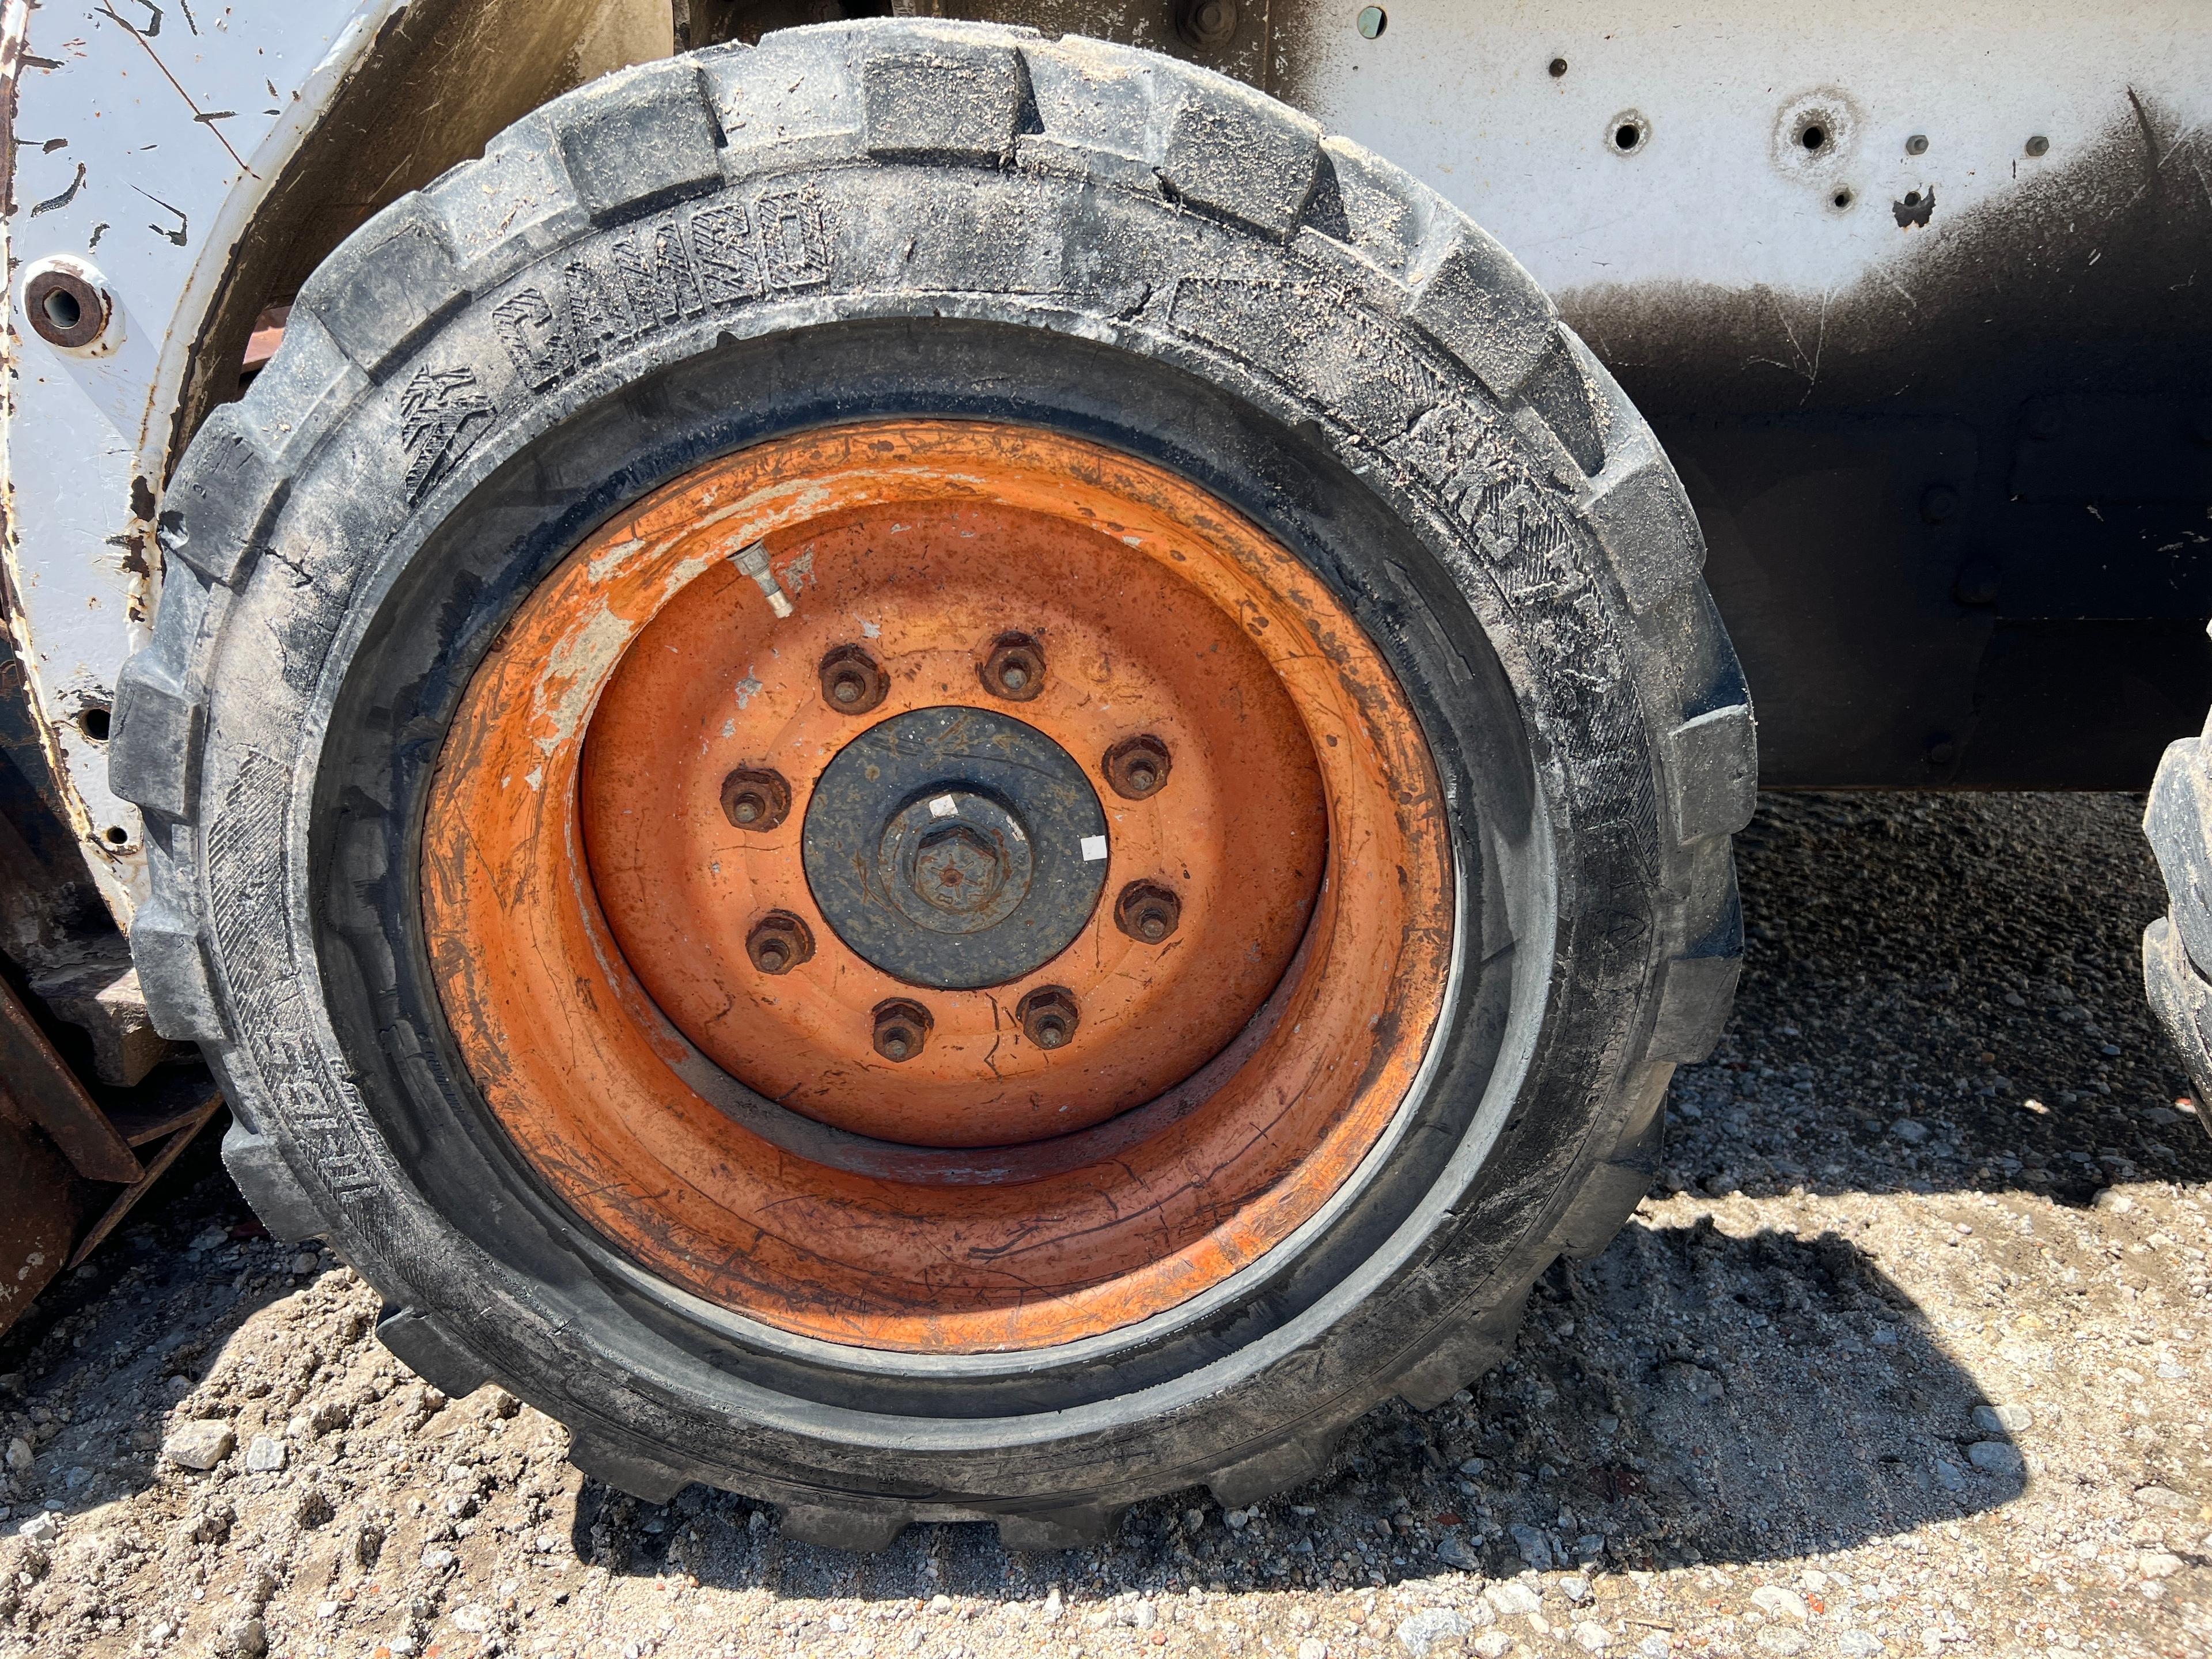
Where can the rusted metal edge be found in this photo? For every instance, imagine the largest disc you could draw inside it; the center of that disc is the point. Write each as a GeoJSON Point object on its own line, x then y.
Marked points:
{"type": "Point", "coordinates": [48, 1093]}
{"type": "Point", "coordinates": [206, 1103]}
{"type": "Point", "coordinates": [14, 39]}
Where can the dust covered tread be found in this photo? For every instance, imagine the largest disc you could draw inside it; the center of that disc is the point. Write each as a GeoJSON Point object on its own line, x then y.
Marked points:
{"type": "Point", "coordinates": [653, 212]}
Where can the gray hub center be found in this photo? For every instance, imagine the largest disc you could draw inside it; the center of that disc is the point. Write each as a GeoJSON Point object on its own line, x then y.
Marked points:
{"type": "Point", "coordinates": [955, 847]}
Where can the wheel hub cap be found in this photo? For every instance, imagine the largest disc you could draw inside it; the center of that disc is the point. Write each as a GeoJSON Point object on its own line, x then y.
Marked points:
{"type": "Point", "coordinates": [956, 848]}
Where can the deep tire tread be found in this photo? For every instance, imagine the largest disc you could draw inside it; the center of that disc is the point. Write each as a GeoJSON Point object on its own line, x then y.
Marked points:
{"type": "Point", "coordinates": [1163, 131]}
{"type": "Point", "coordinates": [2178, 947]}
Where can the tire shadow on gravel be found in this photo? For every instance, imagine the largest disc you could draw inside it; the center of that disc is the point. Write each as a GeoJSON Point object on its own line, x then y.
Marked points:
{"type": "Point", "coordinates": [129, 1336]}
{"type": "Point", "coordinates": [1689, 1396]}
{"type": "Point", "coordinates": [1940, 992]}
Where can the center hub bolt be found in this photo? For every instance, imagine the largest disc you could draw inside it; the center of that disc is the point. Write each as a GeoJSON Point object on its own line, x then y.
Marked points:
{"type": "Point", "coordinates": [1147, 912]}
{"type": "Point", "coordinates": [902, 1029]}
{"type": "Point", "coordinates": [1137, 767]}
{"type": "Point", "coordinates": [779, 942]}
{"type": "Point", "coordinates": [1048, 1017]}
{"type": "Point", "coordinates": [1015, 668]}
{"type": "Point", "coordinates": [958, 869]}
{"type": "Point", "coordinates": [853, 682]}
{"type": "Point", "coordinates": [755, 798]}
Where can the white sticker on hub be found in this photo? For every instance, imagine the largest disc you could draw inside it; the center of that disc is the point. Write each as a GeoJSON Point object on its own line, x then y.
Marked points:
{"type": "Point", "coordinates": [1094, 849]}
{"type": "Point", "coordinates": [944, 807]}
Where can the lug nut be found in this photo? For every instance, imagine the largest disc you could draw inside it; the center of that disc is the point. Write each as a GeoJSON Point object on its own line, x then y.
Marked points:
{"type": "Point", "coordinates": [853, 682]}
{"type": "Point", "coordinates": [1208, 25]}
{"type": "Point", "coordinates": [755, 798]}
{"type": "Point", "coordinates": [1048, 1017]}
{"type": "Point", "coordinates": [1147, 912]}
{"type": "Point", "coordinates": [1137, 767]}
{"type": "Point", "coordinates": [1015, 668]}
{"type": "Point", "coordinates": [779, 942]}
{"type": "Point", "coordinates": [902, 1029]}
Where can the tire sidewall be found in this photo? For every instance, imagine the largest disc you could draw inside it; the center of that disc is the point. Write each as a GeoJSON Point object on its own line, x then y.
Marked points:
{"type": "Point", "coordinates": [304, 866]}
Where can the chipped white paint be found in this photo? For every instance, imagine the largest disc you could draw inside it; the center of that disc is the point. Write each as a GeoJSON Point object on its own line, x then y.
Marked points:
{"type": "Point", "coordinates": [682, 573]}
{"type": "Point", "coordinates": [575, 670]}
{"type": "Point", "coordinates": [611, 561]}
{"type": "Point", "coordinates": [146, 134]}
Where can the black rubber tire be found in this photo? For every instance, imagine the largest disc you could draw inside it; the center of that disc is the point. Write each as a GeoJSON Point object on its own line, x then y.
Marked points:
{"type": "Point", "coordinates": [2178, 946]}
{"type": "Point", "coordinates": [896, 218]}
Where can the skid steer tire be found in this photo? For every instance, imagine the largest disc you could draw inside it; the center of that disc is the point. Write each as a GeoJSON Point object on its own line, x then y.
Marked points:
{"type": "Point", "coordinates": [874, 222]}
{"type": "Point", "coordinates": [2177, 945]}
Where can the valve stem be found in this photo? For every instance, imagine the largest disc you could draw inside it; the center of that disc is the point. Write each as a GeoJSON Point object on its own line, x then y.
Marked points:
{"type": "Point", "coordinates": [753, 561]}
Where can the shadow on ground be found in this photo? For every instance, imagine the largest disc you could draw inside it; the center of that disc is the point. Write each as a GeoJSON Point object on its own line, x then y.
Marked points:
{"type": "Point", "coordinates": [159, 1299]}
{"type": "Point", "coordinates": [1940, 996]}
{"type": "Point", "coordinates": [1689, 1396]}
{"type": "Point", "coordinates": [1940, 992]}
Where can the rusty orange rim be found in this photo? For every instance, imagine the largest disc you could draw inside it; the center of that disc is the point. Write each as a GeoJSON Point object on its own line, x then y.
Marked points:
{"type": "Point", "coordinates": [626, 936]}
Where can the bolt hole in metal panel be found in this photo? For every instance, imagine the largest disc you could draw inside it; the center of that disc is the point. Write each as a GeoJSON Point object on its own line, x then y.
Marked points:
{"type": "Point", "coordinates": [1802, 239]}
{"type": "Point", "coordinates": [146, 142]}
{"type": "Point", "coordinates": [125, 207]}
{"type": "Point", "coordinates": [1757, 109]}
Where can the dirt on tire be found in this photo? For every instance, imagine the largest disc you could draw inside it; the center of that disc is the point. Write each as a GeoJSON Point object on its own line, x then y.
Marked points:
{"type": "Point", "coordinates": [905, 217]}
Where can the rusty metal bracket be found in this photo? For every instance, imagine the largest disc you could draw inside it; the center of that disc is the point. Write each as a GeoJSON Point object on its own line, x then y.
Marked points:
{"type": "Point", "coordinates": [46, 1092]}
{"type": "Point", "coordinates": [168, 1125]}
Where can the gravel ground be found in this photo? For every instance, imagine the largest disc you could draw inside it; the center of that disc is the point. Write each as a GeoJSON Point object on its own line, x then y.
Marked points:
{"type": "Point", "coordinates": [1907, 1352]}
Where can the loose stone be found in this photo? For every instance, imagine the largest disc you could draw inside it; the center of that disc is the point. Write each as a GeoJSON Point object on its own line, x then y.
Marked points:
{"type": "Point", "coordinates": [199, 1445]}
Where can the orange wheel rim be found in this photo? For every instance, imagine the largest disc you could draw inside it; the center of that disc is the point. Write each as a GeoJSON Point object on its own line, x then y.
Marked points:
{"type": "Point", "coordinates": [672, 1002]}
